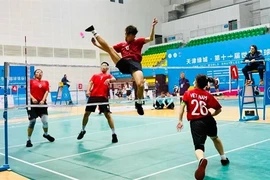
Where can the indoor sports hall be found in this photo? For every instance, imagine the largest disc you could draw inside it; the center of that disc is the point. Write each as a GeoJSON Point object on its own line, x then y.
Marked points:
{"type": "Point", "coordinates": [60, 45]}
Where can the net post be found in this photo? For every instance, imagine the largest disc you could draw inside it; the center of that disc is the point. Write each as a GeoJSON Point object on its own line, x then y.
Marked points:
{"type": "Point", "coordinates": [5, 115]}
{"type": "Point", "coordinates": [77, 94]}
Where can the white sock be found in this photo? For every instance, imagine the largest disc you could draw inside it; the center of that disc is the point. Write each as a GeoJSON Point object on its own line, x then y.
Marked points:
{"type": "Point", "coordinates": [113, 131]}
{"type": "Point", "coordinates": [95, 33]}
{"type": "Point", "coordinates": [83, 128]}
{"type": "Point", "coordinates": [139, 101]}
{"type": "Point", "coordinates": [200, 160]}
{"type": "Point", "coordinates": [223, 157]}
{"type": "Point", "coordinates": [29, 138]}
{"type": "Point", "coordinates": [46, 133]}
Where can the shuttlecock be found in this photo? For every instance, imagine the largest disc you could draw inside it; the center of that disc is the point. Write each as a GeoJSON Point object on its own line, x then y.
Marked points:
{"type": "Point", "coordinates": [82, 34]}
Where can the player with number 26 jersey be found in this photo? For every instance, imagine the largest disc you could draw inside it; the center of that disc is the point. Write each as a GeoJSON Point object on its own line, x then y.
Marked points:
{"type": "Point", "coordinates": [198, 102]}
{"type": "Point", "coordinates": [202, 123]}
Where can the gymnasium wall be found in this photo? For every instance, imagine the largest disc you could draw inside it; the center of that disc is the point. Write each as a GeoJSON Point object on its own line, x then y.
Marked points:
{"type": "Point", "coordinates": [52, 28]}
{"type": "Point", "coordinates": [212, 55]}
{"type": "Point", "coordinates": [199, 21]}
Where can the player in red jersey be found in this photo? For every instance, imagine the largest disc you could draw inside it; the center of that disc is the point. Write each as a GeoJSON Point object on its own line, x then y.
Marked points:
{"type": "Point", "coordinates": [202, 123]}
{"type": "Point", "coordinates": [98, 93]}
{"type": "Point", "coordinates": [39, 90]}
{"type": "Point", "coordinates": [130, 63]}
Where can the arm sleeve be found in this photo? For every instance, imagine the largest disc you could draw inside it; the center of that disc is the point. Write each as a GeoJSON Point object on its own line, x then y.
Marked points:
{"type": "Point", "coordinates": [213, 103]}
{"type": "Point", "coordinates": [117, 47]}
{"type": "Point", "coordinates": [92, 78]}
{"type": "Point", "coordinates": [259, 57]}
{"type": "Point", "coordinates": [141, 40]}
{"type": "Point", "coordinates": [187, 84]}
{"type": "Point", "coordinates": [247, 57]}
{"type": "Point", "coordinates": [185, 97]}
{"type": "Point", "coordinates": [48, 86]}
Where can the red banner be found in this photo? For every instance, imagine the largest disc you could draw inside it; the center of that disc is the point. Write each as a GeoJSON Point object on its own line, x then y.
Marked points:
{"type": "Point", "coordinates": [234, 72]}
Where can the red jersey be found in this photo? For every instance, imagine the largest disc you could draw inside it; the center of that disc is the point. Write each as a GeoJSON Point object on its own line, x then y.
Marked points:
{"type": "Point", "coordinates": [198, 102]}
{"type": "Point", "coordinates": [38, 88]}
{"type": "Point", "coordinates": [99, 88]}
{"type": "Point", "coordinates": [131, 50]}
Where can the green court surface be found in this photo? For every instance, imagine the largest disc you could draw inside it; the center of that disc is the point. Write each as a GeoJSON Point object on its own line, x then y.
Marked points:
{"type": "Point", "coordinates": [148, 148]}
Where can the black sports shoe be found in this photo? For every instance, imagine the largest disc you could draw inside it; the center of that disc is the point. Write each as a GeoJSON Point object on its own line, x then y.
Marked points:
{"type": "Point", "coordinates": [90, 29]}
{"type": "Point", "coordinates": [139, 108]}
{"type": "Point", "coordinates": [200, 172]}
{"type": "Point", "coordinates": [114, 138]}
{"type": "Point", "coordinates": [29, 143]}
{"type": "Point", "coordinates": [225, 162]}
{"type": "Point", "coordinates": [80, 136]}
{"type": "Point", "coordinates": [50, 138]}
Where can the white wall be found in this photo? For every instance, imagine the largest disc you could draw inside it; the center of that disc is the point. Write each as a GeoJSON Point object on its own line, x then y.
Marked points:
{"type": "Point", "coordinates": [199, 6]}
{"type": "Point", "coordinates": [219, 3]}
{"type": "Point", "coordinates": [58, 23]}
{"type": "Point", "coordinates": [204, 20]}
{"type": "Point", "coordinates": [265, 11]}
{"type": "Point", "coordinates": [245, 16]}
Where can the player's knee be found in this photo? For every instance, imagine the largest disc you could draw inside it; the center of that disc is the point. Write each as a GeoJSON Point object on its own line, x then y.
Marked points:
{"type": "Point", "coordinates": [87, 114]}
{"type": "Point", "coordinates": [44, 120]}
{"type": "Point", "coordinates": [32, 123]}
{"type": "Point", "coordinates": [140, 84]}
{"type": "Point", "coordinates": [214, 138]}
{"type": "Point", "coordinates": [199, 146]}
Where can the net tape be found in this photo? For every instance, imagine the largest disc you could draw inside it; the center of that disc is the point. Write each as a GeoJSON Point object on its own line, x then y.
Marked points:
{"type": "Point", "coordinates": [119, 101]}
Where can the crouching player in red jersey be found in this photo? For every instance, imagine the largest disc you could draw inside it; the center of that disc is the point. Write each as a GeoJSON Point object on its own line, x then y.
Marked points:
{"type": "Point", "coordinates": [39, 90]}
{"type": "Point", "coordinates": [202, 123]}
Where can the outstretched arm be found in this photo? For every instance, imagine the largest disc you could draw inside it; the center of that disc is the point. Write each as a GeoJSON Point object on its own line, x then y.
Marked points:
{"type": "Point", "coordinates": [151, 37]}
{"type": "Point", "coordinates": [97, 45]}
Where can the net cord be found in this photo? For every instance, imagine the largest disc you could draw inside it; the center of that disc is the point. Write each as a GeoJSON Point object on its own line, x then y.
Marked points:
{"type": "Point", "coordinates": [105, 103]}
{"type": "Point", "coordinates": [87, 66]}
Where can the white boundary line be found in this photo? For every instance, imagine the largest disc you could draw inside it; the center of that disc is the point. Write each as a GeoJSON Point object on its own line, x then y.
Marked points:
{"type": "Point", "coordinates": [39, 167]}
{"type": "Point", "coordinates": [192, 162]}
{"type": "Point", "coordinates": [63, 138]}
{"type": "Point", "coordinates": [116, 146]}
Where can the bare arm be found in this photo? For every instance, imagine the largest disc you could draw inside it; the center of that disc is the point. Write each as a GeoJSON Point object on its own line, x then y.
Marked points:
{"type": "Point", "coordinates": [151, 37]}
{"type": "Point", "coordinates": [112, 79]}
{"type": "Point", "coordinates": [216, 112]}
{"type": "Point", "coordinates": [89, 88]}
{"type": "Point", "coordinates": [97, 45]}
{"type": "Point", "coordinates": [182, 110]}
{"type": "Point", "coordinates": [180, 121]}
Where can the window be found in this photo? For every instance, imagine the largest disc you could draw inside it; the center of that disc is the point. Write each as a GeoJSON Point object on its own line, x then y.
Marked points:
{"type": "Point", "coordinates": [112, 0]}
{"type": "Point", "coordinates": [121, 1]}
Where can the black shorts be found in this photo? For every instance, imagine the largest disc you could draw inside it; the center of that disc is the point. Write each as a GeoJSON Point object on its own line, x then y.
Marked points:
{"type": "Point", "coordinates": [201, 128]}
{"type": "Point", "coordinates": [128, 66]}
{"type": "Point", "coordinates": [96, 99]}
{"type": "Point", "coordinates": [36, 112]}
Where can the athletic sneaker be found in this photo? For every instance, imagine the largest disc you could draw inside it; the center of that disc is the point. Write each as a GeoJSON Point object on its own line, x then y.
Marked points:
{"type": "Point", "coordinates": [139, 108]}
{"type": "Point", "coordinates": [29, 143]}
{"type": "Point", "coordinates": [225, 162]}
{"type": "Point", "coordinates": [90, 29]}
{"type": "Point", "coordinates": [200, 172]}
{"type": "Point", "coordinates": [50, 138]}
{"type": "Point", "coordinates": [114, 138]}
{"type": "Point", "coordinates": [80, 136]}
